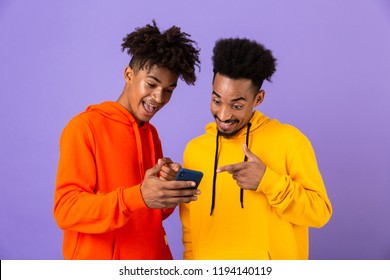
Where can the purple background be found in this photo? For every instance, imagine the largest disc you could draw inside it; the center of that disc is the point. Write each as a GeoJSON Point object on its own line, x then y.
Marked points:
{"type": "Point", "coordinates": [332, 82]}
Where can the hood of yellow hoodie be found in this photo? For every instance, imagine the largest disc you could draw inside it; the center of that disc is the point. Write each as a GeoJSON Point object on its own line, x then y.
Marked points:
{"type": "Point", "coordinates": [258, 121]}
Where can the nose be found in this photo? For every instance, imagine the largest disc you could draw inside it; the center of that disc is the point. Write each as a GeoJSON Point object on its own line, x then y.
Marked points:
{"type": "Point", "coordinates": [224, 114]}
{"type": "Point", "coordinates": [158, 95]}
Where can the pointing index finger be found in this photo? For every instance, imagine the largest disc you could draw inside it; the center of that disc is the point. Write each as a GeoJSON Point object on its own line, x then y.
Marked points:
{"type": "Point", "coordinates": [229, 168]}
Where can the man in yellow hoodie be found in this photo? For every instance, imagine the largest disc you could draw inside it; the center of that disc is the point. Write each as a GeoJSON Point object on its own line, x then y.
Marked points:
{"type": "Point", "coordinates": [261, 189]}
{"type": "Point", "coordinates": [114, 187]}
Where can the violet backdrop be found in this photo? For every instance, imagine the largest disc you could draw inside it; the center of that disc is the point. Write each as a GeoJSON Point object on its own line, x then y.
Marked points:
{"type": "Point", "coordinates": [332, 82]}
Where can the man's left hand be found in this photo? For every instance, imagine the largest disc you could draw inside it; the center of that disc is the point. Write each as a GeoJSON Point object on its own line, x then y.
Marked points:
{"type": "Point", "coordinates": [247, 174]}
{"type": "Point", "coordinates": [169, 169]}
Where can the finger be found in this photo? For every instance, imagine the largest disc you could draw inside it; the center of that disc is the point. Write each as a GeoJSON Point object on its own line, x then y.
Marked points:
{"type": "Point", "coordinates": [185, 193]}
{"type": "Point", "coordinates": [169, 163]}
{"type": "Point", "coordinates": [168, 170]}
{"type": "Point", "coordinates": [166, 161]}
{"type": "Point", "coordinates": [175, 166]}
{"type": "Point", "coordinates": [174, 201]}
{"type": "Point", "coordinates": [155, 169]}
{"type": "Point", "coordinates": [167, 174]}
{"type": "Point", "coordinates": [181, 185]}
{"type": "Point", "coordinates": [171, 169]}
{"type": "Point", "coordinates": [251, 156]}
{"type": "Point", "coordinates": [229, 168]}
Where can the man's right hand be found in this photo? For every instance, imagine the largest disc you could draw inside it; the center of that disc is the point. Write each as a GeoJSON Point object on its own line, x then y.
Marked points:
{"type": "Point", "coordinates": [165, 194]}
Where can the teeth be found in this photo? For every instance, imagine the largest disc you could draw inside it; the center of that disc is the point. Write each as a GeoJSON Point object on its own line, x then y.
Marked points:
{"type": "Point", "coordinates": [151, 105]}
{"type": "Point", "coordinates": [150, 108]}
{"type": "Point", "coordinates": [226, 124]}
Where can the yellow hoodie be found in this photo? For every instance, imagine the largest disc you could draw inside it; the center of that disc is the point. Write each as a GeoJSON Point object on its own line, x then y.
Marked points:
{"type": "Point", "coordinates": [274, 220]}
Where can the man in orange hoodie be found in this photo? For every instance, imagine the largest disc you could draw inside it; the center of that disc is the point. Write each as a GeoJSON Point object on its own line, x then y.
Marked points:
{"type": "Point", "coordinates": [114, 187]}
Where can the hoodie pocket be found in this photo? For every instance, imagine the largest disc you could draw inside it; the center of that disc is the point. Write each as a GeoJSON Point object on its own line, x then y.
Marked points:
{"type": "Point", "coordinates": [146, 245]}
{"type": "Point", "coordinates": [207, 254]}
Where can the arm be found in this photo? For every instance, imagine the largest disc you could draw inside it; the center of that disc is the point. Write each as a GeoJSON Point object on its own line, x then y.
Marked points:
{"type": "Point", "coordinates": [186, 238]}
{"type": "Point", "coordinates": [168, 173]}
{"type": "Point", "coordinates": [78, 206]}
{"type": "Point", "coordinates": [299, 196]}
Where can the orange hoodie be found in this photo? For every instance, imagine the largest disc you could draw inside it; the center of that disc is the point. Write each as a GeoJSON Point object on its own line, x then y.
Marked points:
{"type": "Point", "coordinates": [97, 201]}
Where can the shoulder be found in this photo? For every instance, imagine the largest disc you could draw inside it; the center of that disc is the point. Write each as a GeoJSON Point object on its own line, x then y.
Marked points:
{"type": "Point", "coordinates": [81, 126]}
{"type": "Point", "coordinates": [207, 137]}
{"type": "Point", "coordinates": [153, 130]}
{"type": "Point", "coordinates": [291, 130]}
{"type": "Point", "coordinates": [281, 135]}
{"type": "Point", "coordinates": [81, 121]}
{"type": "Point", "coordinates": [203, 139]}
{"type": "Point", "coordinates": [284, 130]}
{"type": "Point", "coordinates": [78, 132]}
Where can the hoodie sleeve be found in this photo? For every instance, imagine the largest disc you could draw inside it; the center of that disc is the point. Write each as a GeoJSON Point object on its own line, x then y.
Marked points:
{"type": "Point", "coordinates": [166, 212]}
{"type": "Point", "coordinates": [76, 205]}
{"type": "Point", "coordinates": [300, 196]}
{"type": "Point", "coordinates": [185, 220]}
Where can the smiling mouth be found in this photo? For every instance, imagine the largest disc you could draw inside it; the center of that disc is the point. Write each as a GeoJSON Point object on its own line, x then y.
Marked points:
{"type": "Point", "coordinates": [226, 125]}
{"type": "Point", "coordinates": [149, 107]}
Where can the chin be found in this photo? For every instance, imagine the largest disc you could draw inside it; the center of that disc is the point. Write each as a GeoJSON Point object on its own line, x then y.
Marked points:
{"type": "Point", "coordinates": [227, 134]}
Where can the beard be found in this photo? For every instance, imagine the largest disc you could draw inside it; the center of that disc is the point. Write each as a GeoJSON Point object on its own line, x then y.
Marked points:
{"type": "Point", "coordinates": [228, 134]}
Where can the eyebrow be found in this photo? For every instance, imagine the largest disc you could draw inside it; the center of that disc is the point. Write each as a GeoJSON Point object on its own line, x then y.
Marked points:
{"type": "Point", "coordinates": [233, 100]}
{"type": "Point", "coordinates": [157, 80]}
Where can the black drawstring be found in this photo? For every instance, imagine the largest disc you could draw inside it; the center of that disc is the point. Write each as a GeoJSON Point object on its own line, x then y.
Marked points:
{"type": "Point", "coordinates": [245, 159]}
{"type": "Point", "coordinates": [216, 165]}
{"type": "Point", "coordinates": [215, 173]}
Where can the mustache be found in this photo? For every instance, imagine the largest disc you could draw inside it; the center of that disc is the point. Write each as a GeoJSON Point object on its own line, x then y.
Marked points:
{"type": "Point", "coordinates": [227, 121]}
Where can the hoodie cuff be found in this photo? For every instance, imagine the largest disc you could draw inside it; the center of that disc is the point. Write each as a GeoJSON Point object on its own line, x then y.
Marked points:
{"type": "Point", "coordinates": [133, 199]}
{"type": "Point", "coordinates": [270, 182]}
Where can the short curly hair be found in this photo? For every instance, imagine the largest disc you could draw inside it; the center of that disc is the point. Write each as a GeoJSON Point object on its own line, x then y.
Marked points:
{"type": "Point", "coordinates": [239, 58]}
{"type": "Point", "coordinates": [171, 49]}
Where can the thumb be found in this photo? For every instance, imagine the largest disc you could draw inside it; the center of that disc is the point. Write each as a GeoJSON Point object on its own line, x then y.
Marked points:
{"type": "Point", "coordinates": [155, 169]}
{"type": "Point", "coordinates": [251, 156]}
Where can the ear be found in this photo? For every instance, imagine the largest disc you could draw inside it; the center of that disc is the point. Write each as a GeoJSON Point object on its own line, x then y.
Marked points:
{"type": "Point", "coordinates": [259, 98]}
{"type": "Point", "coordinates": [128, 74]}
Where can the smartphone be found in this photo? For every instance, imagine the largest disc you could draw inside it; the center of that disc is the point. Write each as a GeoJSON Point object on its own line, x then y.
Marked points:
{"type": "Point", "coordinates": [189, 175]}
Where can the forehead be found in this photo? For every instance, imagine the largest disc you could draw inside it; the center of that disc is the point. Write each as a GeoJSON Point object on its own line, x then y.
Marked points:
{"type": "Point", "coordinates": [229, 88]}
{"type": "Point", "coordinates": [159, 74]}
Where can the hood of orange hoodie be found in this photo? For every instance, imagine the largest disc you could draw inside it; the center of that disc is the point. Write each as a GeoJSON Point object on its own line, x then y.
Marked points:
{"type": "Point", "coordinates": [116, 112]}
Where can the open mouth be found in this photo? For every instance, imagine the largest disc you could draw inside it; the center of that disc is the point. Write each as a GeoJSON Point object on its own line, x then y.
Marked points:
{"type": "Point", "coordinates": [149, 107]}
{"type": "Point", "coordinates": [226, 125]}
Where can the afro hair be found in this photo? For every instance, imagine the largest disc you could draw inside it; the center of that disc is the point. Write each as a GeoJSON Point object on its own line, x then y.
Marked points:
{"type": "Point", "coordinates": [239, 58]}
{"type": "Point", "coordinates": [171, 49]}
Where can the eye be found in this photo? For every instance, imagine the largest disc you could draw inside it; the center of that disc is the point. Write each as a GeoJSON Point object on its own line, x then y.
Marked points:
{"type": "Point", "coordinates": [237, 106]}
{"type": "Point", "coordinates": [216, 101]}
{"type": "Point", "coordinates": [151, 85]}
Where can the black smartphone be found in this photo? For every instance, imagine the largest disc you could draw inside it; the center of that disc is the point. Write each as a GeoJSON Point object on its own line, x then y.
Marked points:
{"type": "Point", "coordinates": [189, 175]}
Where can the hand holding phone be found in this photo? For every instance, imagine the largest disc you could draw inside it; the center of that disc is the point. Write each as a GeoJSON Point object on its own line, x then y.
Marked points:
{"type": "Point", "coordinates": [189, 175]}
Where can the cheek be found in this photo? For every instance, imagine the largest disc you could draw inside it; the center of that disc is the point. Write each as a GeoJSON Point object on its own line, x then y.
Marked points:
{"type": "Point", "coordinates": [213, 108]}
{"type": "Point", "coordinates": [165, 99]}
{"type": "Point", "coordinates": [140, 91]}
